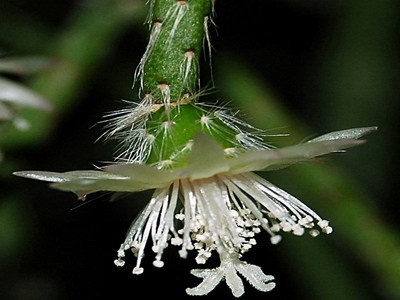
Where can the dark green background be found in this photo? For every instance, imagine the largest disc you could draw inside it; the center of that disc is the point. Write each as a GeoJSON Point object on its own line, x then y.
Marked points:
{"type": "Point", "coordinates": [302, 67]}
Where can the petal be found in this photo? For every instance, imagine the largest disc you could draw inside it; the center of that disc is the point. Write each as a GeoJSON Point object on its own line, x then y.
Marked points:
{"type": "Point", "coordinates": [255, 276]}
{"type": "Point", "coordinates": [207, 158]}
{"type": "Point", "coordinates": [233, 281]}
{"type": "Point", "coordinates": [210, 280]}
{"type": "Point", "coordinates": [87, 181]}
{"type": "Point", "coordinates": [66, 176]}
{"type": "Point", "coordinates": [354, 133]}
{"type": "Point", "coordinates": [85, 186]}
{"type": "Point", "coordinates": [266, 160]}
{"type": "Point", "coordinates": [143, 173]}
{"type": "Point", "coordinates": [202, 273]}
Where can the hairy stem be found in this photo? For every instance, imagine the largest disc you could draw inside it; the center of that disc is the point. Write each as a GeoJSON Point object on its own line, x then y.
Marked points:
{"type": "Point", "coordinates": [169, 69]}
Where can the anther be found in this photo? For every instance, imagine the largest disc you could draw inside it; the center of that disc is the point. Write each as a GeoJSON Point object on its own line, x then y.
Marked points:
{"type": "Point", "coordinates": [158, 263]}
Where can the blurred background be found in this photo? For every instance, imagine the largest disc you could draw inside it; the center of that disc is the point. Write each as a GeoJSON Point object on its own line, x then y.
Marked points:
{"type": "Point", "coordinates": [298, 67]}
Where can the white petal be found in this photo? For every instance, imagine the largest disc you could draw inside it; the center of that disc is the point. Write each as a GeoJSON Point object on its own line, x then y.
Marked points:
{"type": "Point", "coordinates": [265, 160]}
{"type": "Point", "coordinates": [255, 276]}
{"type": "Point", "coordinates": [87, 186]}
{"type": "Point", "coordinates": [202, 273]}
{"type": "Point", "coordinates": [143, 173]}
{"type": "Point", "coordinates": [207, 158]}
{"type": "Point", "coordinates": [210, 281]}
{"type": "Point", "coordinates": [354, 133]}
{"type": "Point", "coordinates": [66, 176]}
{"type": "Point", "coordinates": [88, 181]}
{"type": "Point", "coordinates": [233, 281]}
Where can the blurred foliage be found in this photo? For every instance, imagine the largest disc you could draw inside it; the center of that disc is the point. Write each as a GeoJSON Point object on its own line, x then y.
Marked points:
{"type": "Point", "coordinates": [14, 97]}
{"type": "Point", "coordinates": [292, 66]}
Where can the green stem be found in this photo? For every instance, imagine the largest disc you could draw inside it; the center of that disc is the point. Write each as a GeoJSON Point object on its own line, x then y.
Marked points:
{"type": "Point", "coordinates": [169, 68]}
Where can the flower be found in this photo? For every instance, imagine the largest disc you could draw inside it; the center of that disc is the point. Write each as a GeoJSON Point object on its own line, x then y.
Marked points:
{"type": "Point", "coordinates": [229, 266]}
{"type": "Point", "coordinates": [207, 197]}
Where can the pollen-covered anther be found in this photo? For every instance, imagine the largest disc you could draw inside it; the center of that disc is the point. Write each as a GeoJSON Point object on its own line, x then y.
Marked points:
{"type": "Point", "coordinates": [246, 247]}
{"type": "Point", "coordinates": [200, 237]}
{"type": "Point", "coordinates": [239, 229]}
{"type": "Point", "coordinates": [286, 226]}
{"type": "Point", "coordinates": [324, 225]}
{"type": "Point", "coordinates": [249, 233]}
{"type": "Point", "coordinates": [158, 263]}
{"type": "Point", "coordinates": [275, 228]}
{"type": "Point", "coordinates": [201, 259]}
{"type": "Point", "coordinates": [275, 239]}
{"type": "Point", "coordinates": [180, 217]}
{"type": "Point", "coordinates": [137, 270]}
{"type": "Point", "coordinates": [121, 253]}
{"type": "Point", "coordinates": [119, 262]}
{"type": "Point", "coordinates": [256, 229]}
{"type": "Point", "coordinates": [306, 222]}
{"type": "Point", "coordinates": [298, 230]}
{"type": "Point", "coordinates": [176, 241]}
{"type": "Point", "coordinates": [314, 232]}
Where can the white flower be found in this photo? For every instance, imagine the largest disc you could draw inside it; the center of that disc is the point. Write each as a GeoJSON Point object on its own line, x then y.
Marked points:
{"type": "Point", "coordinates": [230, 264]}
{"type": "Point", "coordinates": [214, 203]}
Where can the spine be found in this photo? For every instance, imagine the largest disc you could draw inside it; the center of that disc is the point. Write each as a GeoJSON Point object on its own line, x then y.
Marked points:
{"type": "Point", "coordinates": [169, 69]}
